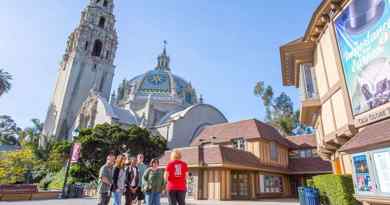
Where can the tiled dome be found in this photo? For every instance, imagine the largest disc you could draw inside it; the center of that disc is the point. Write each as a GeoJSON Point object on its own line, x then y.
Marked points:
{"type": "Point", "coordinates": [162, 83]}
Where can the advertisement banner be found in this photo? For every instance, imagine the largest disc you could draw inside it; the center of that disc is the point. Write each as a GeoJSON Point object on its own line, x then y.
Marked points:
{"type": "Point", "coordinates": [75, 153]}
{"type": "Point", "coordinates": [382, 165]}
{"type": "Point", "coordinates": [362, 176]}
{"type": "Point", "coordinates": [363, 37]}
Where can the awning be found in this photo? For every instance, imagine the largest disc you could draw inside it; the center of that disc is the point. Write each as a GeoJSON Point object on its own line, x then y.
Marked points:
{"type": "Point", "coordinates": [371, 137]}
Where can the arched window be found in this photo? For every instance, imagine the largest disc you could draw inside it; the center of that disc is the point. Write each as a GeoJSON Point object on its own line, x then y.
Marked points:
{"type": "Point", "coordinates": [86, 45]}
{"type": "Point", "coordinates": [97, 48]}
{"type": "Point", "coordinates": [102, 21]}
{"type": "Point", "coordinates": [105, 4]}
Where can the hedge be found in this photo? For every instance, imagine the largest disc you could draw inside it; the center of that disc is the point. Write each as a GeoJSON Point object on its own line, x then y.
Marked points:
{"type": "Point", "coordinates": [335, 189]}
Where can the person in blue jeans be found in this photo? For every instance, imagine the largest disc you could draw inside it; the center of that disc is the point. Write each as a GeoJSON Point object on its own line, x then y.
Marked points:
{"type": "Point", "coordinates": [118, 178]}
{"type": "Point", "coordinates": [153, 183]}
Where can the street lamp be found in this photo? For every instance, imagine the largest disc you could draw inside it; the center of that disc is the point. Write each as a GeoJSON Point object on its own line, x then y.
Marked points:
{"type": "Point", "coordinates": [75, 134]}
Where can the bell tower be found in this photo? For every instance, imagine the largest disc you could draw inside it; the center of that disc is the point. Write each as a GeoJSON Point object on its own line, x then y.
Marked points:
{"type": "Point", "coordinates": [86, 67]}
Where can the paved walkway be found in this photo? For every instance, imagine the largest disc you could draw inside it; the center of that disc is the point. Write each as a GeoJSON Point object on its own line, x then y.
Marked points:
{"type": "Point", "coordinates": [91, 201]}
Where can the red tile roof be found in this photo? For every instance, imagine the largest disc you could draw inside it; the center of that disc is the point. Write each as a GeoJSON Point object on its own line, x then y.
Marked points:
{"type": "Point", "coordinates": [371, 137]}
{"type": "Point", "coordinates": [314, 165]}
{"type": "Point", "coordinates": [247, 129]}
{"type": "Point", "coordinates": [221, 156]}
{"type": "Point", "coordinates": [303, 141]}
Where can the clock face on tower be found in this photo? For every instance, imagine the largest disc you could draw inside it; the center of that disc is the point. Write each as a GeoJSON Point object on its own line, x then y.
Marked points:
{"type": "Point", "coordinates": [157, 79]}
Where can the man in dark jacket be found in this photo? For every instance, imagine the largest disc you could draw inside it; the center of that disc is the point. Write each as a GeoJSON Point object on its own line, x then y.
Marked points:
{"type": "Point", "coordinates": [132, 181]}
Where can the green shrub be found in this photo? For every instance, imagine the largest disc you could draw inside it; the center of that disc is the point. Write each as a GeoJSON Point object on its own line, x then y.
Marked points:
{"type": "Point", "coordinates": [58, 180]}
{"type": "Point", "coordinates": [310, 183]}
{"type": "Point", "coordinates": [335, 189]}
{"type": "Point", "coordinates": [44, 183]}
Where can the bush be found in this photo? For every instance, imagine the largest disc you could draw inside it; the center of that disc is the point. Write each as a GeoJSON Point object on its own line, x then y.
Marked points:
{"type": "Point", "coordinates": [335, 189]}
{"type": "Point", "coordinates": [80, 174]}
{"type": "Point", "coordinates": [44, 183]}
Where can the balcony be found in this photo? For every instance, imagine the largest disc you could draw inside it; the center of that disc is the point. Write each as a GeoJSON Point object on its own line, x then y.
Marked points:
{"type": "Point", "coordinates": [310, 101]}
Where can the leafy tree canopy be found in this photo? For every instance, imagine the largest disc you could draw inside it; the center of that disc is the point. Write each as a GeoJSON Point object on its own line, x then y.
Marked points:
{"type": "Point", "coordinates": [97, 142]}
{"type": "Point", "coordinates": [8, 131]}
{"type": "Point", "coordinates": [279, 110]}
{"type": "Point", "coordinates": [5, 82]}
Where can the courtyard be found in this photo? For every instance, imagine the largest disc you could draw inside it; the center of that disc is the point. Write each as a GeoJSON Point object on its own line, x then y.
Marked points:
{"type": "Point", "coordinates": [92, 201]}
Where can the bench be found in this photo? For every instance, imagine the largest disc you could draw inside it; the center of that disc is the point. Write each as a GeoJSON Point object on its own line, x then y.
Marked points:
{"type": "Point", "coordinates": [17, 192]}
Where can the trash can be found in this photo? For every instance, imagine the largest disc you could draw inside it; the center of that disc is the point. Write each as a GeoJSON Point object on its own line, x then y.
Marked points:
{"type": "Point", "coordinates": [79, 189]}
{"type": "Point", "coordinates": [312, 196]}
{"type": "Point", "coordinates": [301, 195]}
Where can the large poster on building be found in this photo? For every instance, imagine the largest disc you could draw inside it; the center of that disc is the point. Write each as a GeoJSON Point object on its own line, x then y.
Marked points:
{"type": "Point", "coordinates": [363, 181]}
{"type": "Point", "coordinates": [363, 36]}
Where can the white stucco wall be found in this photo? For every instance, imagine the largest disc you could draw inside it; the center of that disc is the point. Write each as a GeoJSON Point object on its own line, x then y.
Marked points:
{"type": "Point", "coordinates": [194, 118]}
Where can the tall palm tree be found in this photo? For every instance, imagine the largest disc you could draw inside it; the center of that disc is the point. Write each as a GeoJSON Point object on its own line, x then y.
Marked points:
{"type": "Point", "coordinates": [5, 84]}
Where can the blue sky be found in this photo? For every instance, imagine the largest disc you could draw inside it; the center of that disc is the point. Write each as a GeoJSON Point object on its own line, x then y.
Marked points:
{"type": "Point", "coordinates": [222, 46]}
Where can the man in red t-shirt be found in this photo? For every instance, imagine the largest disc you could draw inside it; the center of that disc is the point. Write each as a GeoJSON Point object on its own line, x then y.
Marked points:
{"type": "Point", "coordinates": [176, 174]}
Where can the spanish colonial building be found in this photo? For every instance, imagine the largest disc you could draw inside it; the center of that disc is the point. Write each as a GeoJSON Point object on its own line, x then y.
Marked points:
{"type": "Point", "coordinates": [248, 159]}
{"type": "Point", "coordinates": [158, 100]}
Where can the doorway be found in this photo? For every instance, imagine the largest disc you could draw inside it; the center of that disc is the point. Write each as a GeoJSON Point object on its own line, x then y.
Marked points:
{"type": "Point", "coordinates": [240, 185]}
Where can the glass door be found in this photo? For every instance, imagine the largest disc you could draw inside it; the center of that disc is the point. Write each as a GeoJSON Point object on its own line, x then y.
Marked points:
{"type": "Point", "coordinates": [240, 185]}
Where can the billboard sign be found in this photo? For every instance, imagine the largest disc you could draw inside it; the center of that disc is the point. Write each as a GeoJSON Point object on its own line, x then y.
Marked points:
{"type": "Point", "coordinates": [363, 37]}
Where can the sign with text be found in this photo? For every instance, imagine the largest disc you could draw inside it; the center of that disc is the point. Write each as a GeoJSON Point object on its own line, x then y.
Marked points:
{"type": "Point", "coordinates": [373, 115]}
{"type": "Point", "coordinates": [382, 164]}
{"type": "Point", "coordinates": [75, 153]}
{"type": "Point", "coordinates": [363, 37]}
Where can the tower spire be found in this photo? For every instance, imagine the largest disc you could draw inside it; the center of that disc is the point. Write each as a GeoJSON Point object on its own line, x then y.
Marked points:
{"type": "Point", "coordinates": [87, 65]}
{"type": "Point", "coordinates": [163, 59]}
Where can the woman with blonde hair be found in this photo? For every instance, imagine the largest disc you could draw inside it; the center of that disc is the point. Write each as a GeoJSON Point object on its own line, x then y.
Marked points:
{"type": "Point", "coordinates": [176, 174]}
{"type": "Point", "coordinates": [118, 179]}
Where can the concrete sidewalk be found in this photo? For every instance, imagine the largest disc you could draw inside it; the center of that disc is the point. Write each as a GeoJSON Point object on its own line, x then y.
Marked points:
{"type": "Point", "coordinates": [93, 201]}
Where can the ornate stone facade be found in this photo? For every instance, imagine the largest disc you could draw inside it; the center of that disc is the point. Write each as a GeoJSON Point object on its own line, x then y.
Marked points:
{"type": "Point", "coordinates": [86, 66]}
{"type": "Point", "coordinates": [158, 100]}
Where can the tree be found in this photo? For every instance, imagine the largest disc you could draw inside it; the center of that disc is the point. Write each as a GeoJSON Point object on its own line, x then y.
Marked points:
{"type": "Point", "coordinates": [8, 131]}
{"type": "Point", "coordinates": [97, 142]}
{"type": "Point", "coordinates": [33, 133]}
{"type": "Point", "coordinates": [5, 84]}
{"type": "Point", "coordinates": [279, 110]}
{"type": "Point", "coordinates": [14, 165]}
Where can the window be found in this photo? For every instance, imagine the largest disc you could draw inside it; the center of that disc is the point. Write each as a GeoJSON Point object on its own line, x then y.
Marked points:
{"type": "Point", "coordinates": [371, 171]}
{"type": "Point", "coordinates": [97, 48]}
{"type": "Point", "coordinates": [239, 143]}
{"type": "Point", "coordinates": [102, 21]}
{"type": "Point", "coordinates": [101, 87]}
{"type": "Point", "coordinates": [363, 179]}
{"type": "Point", "coordinates": [94, 68]}
{"type": "Point", "coordinates": [86, 45]}
{"type": "Point", "coordinates": [293, 154]}
{"type": "Point", "coordinates": [271, 184]}
{"type": "Point", "coordinates": [307, 82]}
{"type": "Point", "coordinates": [108, 54]}
{"type": "Point", "coordinates": [188, 98]}
{"type": "Point", "coordinates": [274, 151]}
{"type": "Point", "coordinates": [305, 153]}
{"type": "Point", "coordinates": [105, 3]}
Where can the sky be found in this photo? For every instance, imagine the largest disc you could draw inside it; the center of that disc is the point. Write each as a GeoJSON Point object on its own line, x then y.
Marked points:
{"type": "Point", "coordinates": [223, 47]}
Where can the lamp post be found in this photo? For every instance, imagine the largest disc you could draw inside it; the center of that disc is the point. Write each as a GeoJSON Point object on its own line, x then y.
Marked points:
{"type": "Point", "coordinates": [64, 190]}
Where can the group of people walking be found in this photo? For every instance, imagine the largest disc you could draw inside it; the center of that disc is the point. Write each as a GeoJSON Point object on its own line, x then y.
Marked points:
{"type": "Point", "coordinates": [129, 176]}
